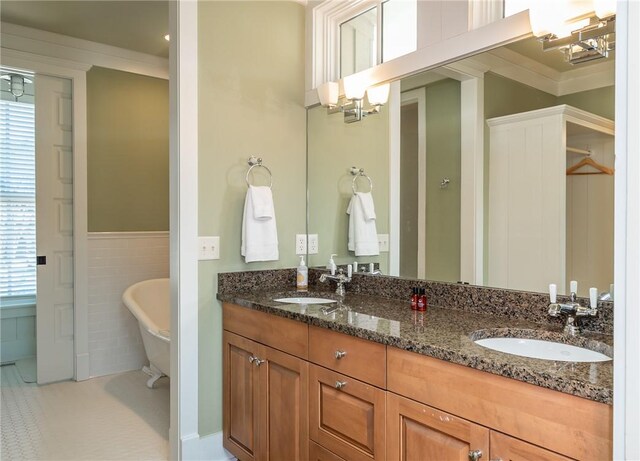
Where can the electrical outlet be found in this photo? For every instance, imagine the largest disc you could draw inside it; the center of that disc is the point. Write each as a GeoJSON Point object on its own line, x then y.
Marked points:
{"type": "Point", "coordinates": [208, 248]}
{"type": "Point", "coordinates": [312, 244]}
{"type": "Point", "coordinates": [301, 244]}
{"type": "Point", "coordinates": [383, 242]}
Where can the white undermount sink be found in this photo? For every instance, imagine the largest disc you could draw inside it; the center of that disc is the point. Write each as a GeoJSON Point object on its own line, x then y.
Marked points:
{"type": "Point", "coordinates": [305, 300]}
{"type": "Point", "coordinates": [538, 349]}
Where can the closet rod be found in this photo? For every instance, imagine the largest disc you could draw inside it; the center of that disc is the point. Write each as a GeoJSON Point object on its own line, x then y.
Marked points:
{"type": "Point", "coordinates": [575, 150]}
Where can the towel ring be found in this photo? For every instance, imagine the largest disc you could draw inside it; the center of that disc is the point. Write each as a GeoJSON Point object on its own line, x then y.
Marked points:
{"type": "Point", "coordinates": [357, 172]}
{"type": "Point", "coordinates": [257, 162]}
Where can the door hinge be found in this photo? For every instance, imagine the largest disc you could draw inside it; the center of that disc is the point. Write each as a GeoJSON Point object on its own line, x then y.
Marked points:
{"type": "Point", "coordinates": [41, 260]}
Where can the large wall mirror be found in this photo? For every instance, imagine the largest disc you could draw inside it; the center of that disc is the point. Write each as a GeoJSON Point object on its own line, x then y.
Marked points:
{"type": "Point", "coordinates": [495, 170]}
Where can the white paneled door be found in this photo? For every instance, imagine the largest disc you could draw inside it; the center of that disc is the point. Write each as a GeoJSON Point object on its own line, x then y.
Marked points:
{"type": "Point", "coordinates": [54, 235]}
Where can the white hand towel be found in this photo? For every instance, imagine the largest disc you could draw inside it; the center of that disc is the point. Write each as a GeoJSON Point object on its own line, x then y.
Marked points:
{"type": "Point", "coordinates": [262, 202]}
{"type": "Point", "coordinates": [351, 245]}
{"type": "Point", "coordinates": [363, 235]}
{"type": "Point", "coordinates": [368, 208]}
{"type": "Point", "coordinates": [259, 230]}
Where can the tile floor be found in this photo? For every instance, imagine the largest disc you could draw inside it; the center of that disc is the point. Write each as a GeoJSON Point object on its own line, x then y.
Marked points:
{"type": "Point", "coordinates": [113, 417]}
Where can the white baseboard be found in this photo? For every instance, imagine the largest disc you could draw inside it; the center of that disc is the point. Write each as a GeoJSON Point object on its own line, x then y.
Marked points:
{"type": "Point", "coordinates": [211, 448]}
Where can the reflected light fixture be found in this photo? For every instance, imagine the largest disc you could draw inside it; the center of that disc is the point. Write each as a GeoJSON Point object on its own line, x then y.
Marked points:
{"type": "Point", "coordinates": [352, 105]}
{"type": "Point", "coordinates": [167, 37]}
{"type": "Point", "coordinates": [16, 84]}
{"type": "Point", "coordinates": [583, 30]}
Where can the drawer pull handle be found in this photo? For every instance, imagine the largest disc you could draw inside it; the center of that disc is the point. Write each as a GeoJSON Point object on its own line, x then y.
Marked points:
{"type": "Point", "coordinates": [340, 384]}
{"type": "Point", "coordinates": [475, 455]}
{"type": "Point", "coordinates": [340, 354]}
{"type": "Point", "coordinates": [255, 360]}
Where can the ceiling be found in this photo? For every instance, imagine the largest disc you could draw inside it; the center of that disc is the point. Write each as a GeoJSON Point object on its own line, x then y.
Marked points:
{"type": "Point", "coordinates": [133, 25]}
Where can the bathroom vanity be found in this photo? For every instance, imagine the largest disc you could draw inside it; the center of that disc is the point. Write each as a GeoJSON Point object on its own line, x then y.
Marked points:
{"type": "Point", "coordinates": [367, 378]}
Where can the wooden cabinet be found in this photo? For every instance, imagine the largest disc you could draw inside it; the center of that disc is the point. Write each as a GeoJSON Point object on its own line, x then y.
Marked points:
{"type": "Point", "coordinates": [347, 416]}
{"type": "Point", "coordinates": [420, 432]}
{"type": "Point", "coordinates": [507, 448]}
{"type": "Point", "coordinates": [241, 417]}
{"type": "Point", "coordinates": [359, 358]}
{"type": "Point", "coordinates": [265, 400]}
{"type": "Point", "coordinates": [377, 402]}
{"type": "Point", "coordinates": [563, 423]}
{"type": "Point", "coordinates": [318, 453]}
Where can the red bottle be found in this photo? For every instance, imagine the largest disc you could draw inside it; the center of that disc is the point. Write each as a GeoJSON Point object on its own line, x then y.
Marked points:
{"type": "Point", "coordinates": [414, 299]}
{"type": "Point", "coordinates": [422, 300]}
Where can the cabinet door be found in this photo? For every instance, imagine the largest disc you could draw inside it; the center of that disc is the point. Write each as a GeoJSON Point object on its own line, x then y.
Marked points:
{"type": "Point", "coordinates": [347, 416]}
{"type": "Point", "coordinates": [505, 448]}
{"type": "Point", "coordinates": [285, 392]}
{"type": "Point", "coordinates": [241, 385]}
{"type": "Point", "coordinates": [419, 432]}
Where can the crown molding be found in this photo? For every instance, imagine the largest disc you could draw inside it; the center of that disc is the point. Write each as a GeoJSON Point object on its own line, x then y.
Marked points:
{"type": "Point", "coordinates": [82, 52]}
{"type": "Point", "coordinates": [509, 64]}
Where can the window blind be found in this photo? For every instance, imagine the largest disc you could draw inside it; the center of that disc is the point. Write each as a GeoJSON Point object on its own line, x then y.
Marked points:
{"type": "Point", "coordinates": [17, 199]}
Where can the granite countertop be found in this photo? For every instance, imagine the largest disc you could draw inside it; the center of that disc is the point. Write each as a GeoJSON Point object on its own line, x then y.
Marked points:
{"type": "Point", "coordinates": [448, 334]}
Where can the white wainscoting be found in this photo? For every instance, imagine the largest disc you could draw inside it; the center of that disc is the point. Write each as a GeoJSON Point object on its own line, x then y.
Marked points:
{"type": "Point", "coordinates": [116, 261]}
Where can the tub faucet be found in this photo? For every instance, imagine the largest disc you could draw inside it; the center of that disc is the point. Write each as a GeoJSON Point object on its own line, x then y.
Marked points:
{"type": "Point", "coordinates": [340, 278]}
{"type": "Point", "coordinates": [573, 310]}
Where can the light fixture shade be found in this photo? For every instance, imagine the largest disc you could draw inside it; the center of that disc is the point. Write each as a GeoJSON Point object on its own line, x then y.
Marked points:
{"type": "Point", "coordinates": [604, 8]}
{"type": "Point", "coordinates": [328, 93]}
{"type": "Point", "coordinates": [353, 87]}
{"type": "Point", "coordinates": [378, 95]}
{"type": "Point", "coordinates": [558, 17]}
{"type": "Point", "coordinates": [16, 85]}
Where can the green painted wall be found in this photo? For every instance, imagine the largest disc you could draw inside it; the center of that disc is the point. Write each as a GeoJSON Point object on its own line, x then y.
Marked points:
{"type": "Point", "coordinates": [127, 151]}
{"type": "Point", "coordinates": [600, 101]}
{"type": "Point", "coordinates": [251, 102]}
{"type": "Point", "coordinates": [443, 161]}
{"type": "Point", "coordinates": [333, 148]}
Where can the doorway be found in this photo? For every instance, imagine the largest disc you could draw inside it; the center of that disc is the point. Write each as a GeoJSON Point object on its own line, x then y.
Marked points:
{"type": "Point", "coordinates": [37, 222]}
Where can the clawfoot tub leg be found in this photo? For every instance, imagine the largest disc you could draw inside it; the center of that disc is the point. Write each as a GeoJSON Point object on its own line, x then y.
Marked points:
{"type": "Point", "coordinates": [154, 373]}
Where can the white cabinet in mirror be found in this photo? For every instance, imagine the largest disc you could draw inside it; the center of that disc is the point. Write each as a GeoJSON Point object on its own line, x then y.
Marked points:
{"type": "Point", "coordinates": [452, 202]}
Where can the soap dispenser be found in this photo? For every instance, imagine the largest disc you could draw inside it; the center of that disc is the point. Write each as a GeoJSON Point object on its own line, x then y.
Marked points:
{"type": "Point", "coordinates": [302, 278]}
{"type": "Point", "coordinates": [331, 265]}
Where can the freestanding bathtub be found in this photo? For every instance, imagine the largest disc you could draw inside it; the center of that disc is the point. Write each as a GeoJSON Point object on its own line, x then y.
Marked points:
{"type": "Point", "coordinates": [149, 302]}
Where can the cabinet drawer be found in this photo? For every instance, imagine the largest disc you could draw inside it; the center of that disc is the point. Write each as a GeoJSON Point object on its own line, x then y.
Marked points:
{"type": "Point", "coordinates": [283, 334]}
{"type": "Point", "coordinates": [318, 453]}
{"type": "Point", "coordinates": [347, 416]}
{"type": "Point", "coordinates": [563, 423]}
{"type": "Point", "coordinates": [346, 354]}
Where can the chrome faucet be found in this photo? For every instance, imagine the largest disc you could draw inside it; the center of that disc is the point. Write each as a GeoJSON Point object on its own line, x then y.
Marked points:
{"type": "Point", "coordinates": [340, 278]}
{"type": "Point", "coordinates": [573, 310]}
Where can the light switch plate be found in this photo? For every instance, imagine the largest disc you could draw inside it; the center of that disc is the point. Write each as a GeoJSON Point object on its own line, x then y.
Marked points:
{"type": "Point", "coordinates": [383, 242]}
{"type": "Point", "coordinates": [208, 248]}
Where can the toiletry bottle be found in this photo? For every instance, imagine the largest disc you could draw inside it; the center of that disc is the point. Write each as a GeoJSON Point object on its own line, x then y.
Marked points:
{"type": "Point", "coordinates": [414, 299]}
{"type": "Point", "coordinates": [302, 279]}
{"type": "Point", "coordinates": [331, 265]}
{"type": "Point", "coordinates": [422, 300]}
